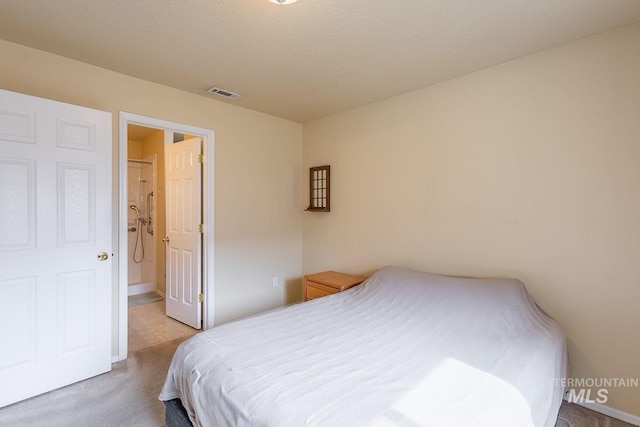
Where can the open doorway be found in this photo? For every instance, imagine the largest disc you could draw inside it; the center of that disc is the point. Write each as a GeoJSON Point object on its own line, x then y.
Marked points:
{"type": "Point", "coordinates": [149, 323]}
{"type": "Point", "coordinates": [143, 238]}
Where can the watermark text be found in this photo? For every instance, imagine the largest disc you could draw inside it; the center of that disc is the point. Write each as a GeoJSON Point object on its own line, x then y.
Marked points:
{"type": "Point", "coordinates": [593, 390]}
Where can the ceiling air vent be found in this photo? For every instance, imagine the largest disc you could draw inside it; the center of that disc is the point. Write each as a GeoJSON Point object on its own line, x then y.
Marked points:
{"type": "Point", "coordinates": [225, 93]}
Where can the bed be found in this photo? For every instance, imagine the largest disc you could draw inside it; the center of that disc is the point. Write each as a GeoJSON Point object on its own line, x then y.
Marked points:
{"type": "Point", "coordinates": [404, 348]}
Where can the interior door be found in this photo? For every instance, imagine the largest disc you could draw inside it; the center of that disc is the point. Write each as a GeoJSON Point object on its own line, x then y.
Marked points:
{"type": "Point", "coordinates": [55, 245]}
{"type": "Point", "coordinates": [183, 183]}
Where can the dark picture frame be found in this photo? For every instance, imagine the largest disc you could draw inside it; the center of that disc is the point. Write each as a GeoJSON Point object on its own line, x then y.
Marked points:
{"type": "Point", "coordinates": [320, 189]}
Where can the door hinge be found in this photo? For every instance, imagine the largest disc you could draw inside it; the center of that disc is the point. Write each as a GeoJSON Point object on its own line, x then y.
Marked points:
{"type": "Point", "coordinates": [200, 228]}
{"type": "Point", "coordinates": [200, 297]}
{"type": "Point", "coordinates": [200, 158]}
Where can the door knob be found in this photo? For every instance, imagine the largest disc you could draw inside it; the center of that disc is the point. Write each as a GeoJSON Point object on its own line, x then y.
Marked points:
{"type": "Point", "coordinates": [103, 256]}
{"type": "Point", "coordinates": [166, 239]}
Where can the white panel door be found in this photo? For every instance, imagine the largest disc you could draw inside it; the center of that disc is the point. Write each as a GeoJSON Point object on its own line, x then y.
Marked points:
{"type": "Point", "coordinates": [55, 218]}
{"type": "Point", "coordinates": [183, 182]}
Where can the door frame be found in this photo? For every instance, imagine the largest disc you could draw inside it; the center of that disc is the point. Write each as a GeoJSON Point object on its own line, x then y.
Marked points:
{"type": "Point", "coordinates": [208, 137]}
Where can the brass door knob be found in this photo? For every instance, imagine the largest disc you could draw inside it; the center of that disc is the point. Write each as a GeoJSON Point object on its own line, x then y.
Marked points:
{"type": "Point", "coordinates": [166, 239]}
{"type": "Point", "coordinates": [102, 256]}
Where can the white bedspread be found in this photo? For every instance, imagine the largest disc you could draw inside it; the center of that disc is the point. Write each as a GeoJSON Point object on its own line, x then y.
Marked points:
{"type": "Point", "coordinates": [403, 349]}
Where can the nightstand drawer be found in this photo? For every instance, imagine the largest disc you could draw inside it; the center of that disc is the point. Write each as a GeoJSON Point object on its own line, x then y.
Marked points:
{"type": "Point", "coordinates": [327, 283]}
{"type": "Point", "coordinates": [317, 290]}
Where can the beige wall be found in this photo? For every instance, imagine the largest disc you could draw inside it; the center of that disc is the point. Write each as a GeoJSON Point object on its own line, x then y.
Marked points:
{"type": "Point", "coordinates": [530, 169]}
{"type": "Point", "coordinates": [257, 171]}
{"type": "Point", "coordinates": [134, 149]}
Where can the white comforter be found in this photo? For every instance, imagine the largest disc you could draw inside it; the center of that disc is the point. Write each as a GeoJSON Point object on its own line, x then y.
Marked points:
{"type": "Point", "coordinates": [402, 349]}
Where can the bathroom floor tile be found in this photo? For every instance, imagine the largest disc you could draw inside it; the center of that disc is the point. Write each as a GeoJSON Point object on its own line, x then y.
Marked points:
{"type": "Point", "coordinates": [149, 326]}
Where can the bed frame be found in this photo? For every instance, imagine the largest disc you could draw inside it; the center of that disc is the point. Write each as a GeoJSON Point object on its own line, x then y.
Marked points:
{"type": "Point", "coordinates": [175, 415]}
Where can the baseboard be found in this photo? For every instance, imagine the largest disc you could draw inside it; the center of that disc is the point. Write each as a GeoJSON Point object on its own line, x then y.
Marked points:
{"type": "Point", "coordinates": [140, 288]}
{"type": "Point", "coordinates": [610, 412]}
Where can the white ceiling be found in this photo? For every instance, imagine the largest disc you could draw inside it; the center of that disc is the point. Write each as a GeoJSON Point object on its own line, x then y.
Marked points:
{"type": "Point", "coordinates": [309, 59]}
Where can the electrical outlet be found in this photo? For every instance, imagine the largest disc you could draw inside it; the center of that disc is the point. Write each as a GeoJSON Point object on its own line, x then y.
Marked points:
{"type": "Point", "coordinates": [276, 281]}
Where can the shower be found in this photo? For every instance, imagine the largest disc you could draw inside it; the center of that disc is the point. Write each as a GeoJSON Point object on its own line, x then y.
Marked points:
{"type": "Point", "coordinates": [141, 204]}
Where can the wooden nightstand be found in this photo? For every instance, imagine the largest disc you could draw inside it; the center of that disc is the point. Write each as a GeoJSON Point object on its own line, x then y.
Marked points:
{"type": "Point", "coordinates": [327, 283]}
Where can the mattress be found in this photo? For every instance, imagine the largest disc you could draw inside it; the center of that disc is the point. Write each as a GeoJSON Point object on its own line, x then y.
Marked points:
{"type": "Point", "coordinates": [404, 348]}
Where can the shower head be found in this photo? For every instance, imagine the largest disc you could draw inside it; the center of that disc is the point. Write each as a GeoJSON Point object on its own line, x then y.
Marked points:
{"type": "Point", "coordinates": [140, 218]}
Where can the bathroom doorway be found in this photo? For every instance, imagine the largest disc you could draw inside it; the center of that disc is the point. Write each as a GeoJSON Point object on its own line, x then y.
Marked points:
{"type": "Point", "coordinates": [148, 324]}
{"type": "Point", "coordinates": [142, 279]}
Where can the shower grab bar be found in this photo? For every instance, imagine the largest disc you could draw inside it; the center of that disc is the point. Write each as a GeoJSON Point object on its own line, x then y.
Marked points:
{"type": "Point", "coordinates": [149, 219]}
